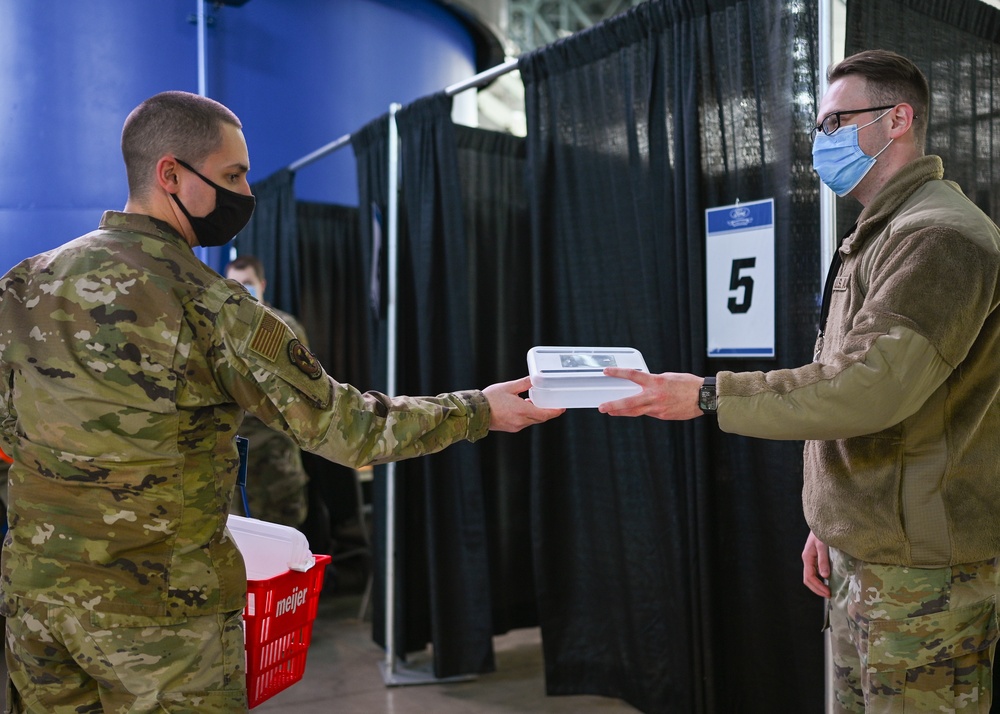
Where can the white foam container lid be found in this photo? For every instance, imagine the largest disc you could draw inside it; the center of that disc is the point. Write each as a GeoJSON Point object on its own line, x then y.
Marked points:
{"type": "Point", "coordinates": [572, 376]}
{"type": "Point", "coordinates": [269, 549]}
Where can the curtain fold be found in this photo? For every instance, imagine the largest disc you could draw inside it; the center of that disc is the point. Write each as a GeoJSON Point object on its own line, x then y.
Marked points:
{"type": "Point", "coordinates": [665, 553]}
{"type": "Point", "coordinates": [464, 322]}
{"type": "Point", "coordinates": [441, 493]}
{"type": "Point", "coordinates": [491, 167]}
{"type": "Point", "coordinates": [334, 290]}
{"type": "Point", "coordinates": [272, 236]}
{"type": "Point", "coordinates": [334, 312]}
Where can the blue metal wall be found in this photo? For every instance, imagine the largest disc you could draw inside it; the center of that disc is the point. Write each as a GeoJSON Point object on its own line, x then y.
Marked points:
{"type": "Point", "coordinates": [298, 73]}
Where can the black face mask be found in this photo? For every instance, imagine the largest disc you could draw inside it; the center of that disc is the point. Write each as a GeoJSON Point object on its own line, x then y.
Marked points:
{"type": "Point", "coordinates": [231, 213]}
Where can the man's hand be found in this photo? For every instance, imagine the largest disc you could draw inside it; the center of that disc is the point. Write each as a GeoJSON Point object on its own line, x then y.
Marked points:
{"type": "Point", "coordinates": [665, 396]}
{"type": "Point", "coordinates": [512, 413]}
{"type": "Point", "coordinates": [816, 565]}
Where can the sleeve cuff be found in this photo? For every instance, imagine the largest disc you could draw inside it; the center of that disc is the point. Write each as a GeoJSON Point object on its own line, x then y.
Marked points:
{"type": "Point", "coordinates": [480, 414]}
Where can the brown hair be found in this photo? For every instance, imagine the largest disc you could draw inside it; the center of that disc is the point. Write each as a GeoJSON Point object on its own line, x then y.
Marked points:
{"type": "Point", "coordinates": [186, 125]}
{"type": "Point", "coordinates": [891, 78]}
{"type": "Point", "coordinates": [243, 262]}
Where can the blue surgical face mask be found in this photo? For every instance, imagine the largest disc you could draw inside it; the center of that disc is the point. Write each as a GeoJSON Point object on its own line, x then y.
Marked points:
{"type": "Point", "coordinates": [839, 160]}
{"type": "Point", "coordinates": [252, 290]}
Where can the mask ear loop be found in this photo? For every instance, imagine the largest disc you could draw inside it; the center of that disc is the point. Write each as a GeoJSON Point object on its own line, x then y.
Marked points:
{"type": "Point", "coordinates": [883, 149]}
{"type": "Point", "coordinates": [872, 122]}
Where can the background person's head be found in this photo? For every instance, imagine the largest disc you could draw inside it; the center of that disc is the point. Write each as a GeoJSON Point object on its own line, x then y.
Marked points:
{"type": "Point", "coordinates": [248, 269]}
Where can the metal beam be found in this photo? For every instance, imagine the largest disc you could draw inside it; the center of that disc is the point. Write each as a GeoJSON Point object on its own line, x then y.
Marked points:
{"type": "Point", "coordinates": [534, 23]}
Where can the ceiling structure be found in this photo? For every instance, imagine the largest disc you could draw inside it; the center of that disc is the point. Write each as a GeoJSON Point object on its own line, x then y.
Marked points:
{"type": "Point", "coordinates": [534, 23]}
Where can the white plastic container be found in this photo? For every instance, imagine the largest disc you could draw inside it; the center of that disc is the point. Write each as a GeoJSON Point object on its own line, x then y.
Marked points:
{"type": "Point", "coordinates": [573, 377]}
{"type": "Point", "coordinates": [269, 549]}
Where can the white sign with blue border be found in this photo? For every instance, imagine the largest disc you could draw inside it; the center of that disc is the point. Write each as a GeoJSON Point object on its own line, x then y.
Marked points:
{"type": "Point", "coordinates": [739, 279]}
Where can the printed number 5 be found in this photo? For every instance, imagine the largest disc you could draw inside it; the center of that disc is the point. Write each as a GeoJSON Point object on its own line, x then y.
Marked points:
{"type": "Point", "coordinates": [737, 281]}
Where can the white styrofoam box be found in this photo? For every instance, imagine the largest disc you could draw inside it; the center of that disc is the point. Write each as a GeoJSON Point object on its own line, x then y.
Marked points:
{"type": "Point", "coordinates": [573, 377]}
{"type": "Point", "coordinates": [269, 549]}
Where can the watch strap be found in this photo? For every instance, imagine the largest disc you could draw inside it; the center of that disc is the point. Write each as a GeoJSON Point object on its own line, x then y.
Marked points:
{"type": "Point", "coordinates": [708, 401]}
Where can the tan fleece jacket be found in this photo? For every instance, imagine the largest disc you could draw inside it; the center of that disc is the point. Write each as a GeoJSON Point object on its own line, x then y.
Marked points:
{"type": "Point", "coordinates": [902, 405]}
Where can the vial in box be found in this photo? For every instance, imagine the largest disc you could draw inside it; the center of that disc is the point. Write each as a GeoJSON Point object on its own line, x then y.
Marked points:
{"type": "Point", "coordinates": [573, 377]}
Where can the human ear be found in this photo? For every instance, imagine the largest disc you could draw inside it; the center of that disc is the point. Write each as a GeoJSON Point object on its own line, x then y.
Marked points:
{"type": "Point", "coordinates": [901, 117]}
{"type": "Point", "coordinates": [166, 174]}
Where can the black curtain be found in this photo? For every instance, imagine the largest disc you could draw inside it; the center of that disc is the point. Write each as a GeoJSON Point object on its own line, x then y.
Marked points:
{"type": "Point", "coordinates": [957, 45]}
{"type": "Point", "coordinates": [334, 290]}
{"type": "Point", "coordinates": [464, 526]}
{"type": "Point", "coordinates": [667, 555]}
{"type": "Point", "coordinates": [441, 495]}
{"type": "Point", "coordinates": [333, 294]}
{"type": "Point", "coordinates": [492, 166]}
{"type": "Point", "coordinates": [272, 236]}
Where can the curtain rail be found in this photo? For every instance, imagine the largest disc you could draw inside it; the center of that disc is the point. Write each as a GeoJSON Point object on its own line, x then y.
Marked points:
{"type": "Point", "coordinates": [320, 152]}
{"type": "Point", "coordinates": [477, 80]}
{"type": "Point", "coordinates": [482, 78]}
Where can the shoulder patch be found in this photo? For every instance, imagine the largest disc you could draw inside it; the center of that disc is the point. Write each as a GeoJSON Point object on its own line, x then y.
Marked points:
{"type": "Point", "coordinates": [268, 337]}
{"type": "Point", "coordinates": [302, 358]}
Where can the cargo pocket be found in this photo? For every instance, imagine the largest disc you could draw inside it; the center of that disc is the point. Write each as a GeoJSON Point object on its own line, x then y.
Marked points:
{"type": "Point", "coordinates": [933, 657]}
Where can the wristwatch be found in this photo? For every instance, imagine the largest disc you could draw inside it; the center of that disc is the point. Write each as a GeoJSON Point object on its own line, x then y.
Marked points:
{"type": "Point", "coordinates": [708, 402]}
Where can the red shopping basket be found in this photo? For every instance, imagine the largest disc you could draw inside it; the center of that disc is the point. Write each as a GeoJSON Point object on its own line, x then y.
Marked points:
{"type": "Point", "coordinates": [279, 620]}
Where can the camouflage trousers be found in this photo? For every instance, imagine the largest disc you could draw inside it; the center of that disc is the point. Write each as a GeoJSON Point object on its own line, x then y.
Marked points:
{"type": "Point", "coordinates": [913, 639]}
{"type": "Point", "coordinates": [64, 660]}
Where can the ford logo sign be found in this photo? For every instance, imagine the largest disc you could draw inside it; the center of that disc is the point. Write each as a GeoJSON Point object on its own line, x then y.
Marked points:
{"type": "Point", "coordinates": [739, 217]}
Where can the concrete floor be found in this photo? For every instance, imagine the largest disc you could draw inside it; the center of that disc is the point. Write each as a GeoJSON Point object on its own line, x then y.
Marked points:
{"type": "Point", "coordinates": [343, 675]}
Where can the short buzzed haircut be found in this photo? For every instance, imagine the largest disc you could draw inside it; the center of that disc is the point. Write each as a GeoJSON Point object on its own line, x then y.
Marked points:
{"type": "Point", "coordinates": [891, 79]}
{"type": "Point", "coordinates": [186, 125]}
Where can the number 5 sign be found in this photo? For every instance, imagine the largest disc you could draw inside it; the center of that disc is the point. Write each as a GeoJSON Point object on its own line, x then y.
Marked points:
{"type": "Point", "coordinates": [739, 279]}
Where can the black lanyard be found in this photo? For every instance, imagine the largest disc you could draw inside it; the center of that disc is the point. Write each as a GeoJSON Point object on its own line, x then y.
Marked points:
{"type": "Point", "coordinates": [831, 278]}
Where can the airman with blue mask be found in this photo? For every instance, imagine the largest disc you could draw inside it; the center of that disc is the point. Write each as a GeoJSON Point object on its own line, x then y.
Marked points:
{"type": "Point", "coordinates": [899, 409]}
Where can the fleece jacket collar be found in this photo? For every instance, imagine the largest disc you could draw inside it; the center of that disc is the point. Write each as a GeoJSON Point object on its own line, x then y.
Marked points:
{"type": "Point", "coordinates": [896, 190]}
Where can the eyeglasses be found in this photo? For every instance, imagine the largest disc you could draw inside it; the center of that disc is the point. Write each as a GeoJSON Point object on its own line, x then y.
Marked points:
{"type": "Point", "coordinates": [831, 122]}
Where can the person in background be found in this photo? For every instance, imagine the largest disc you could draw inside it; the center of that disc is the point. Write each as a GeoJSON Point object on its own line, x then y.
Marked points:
{"type": "Point", "coordinates": [126, 366]}
{"type": "Point", "coordinates": [277, 481]}
{"type": "Point", "coordinates": [900, 409]}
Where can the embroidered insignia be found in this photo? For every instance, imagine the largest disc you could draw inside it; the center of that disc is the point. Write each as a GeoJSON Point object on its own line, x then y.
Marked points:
{"type": "Point", "coordinates": [840, 283]}
{"type": "Point", "coordinates": [268, 336]}
{"type": "Point", "coordinates": [302, 358]}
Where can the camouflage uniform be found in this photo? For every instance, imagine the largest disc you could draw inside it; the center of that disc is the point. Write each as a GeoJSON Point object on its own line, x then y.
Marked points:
{"type": "Point", "coordinates": [276, 478]}
{"type": "Point", "coordinates": [912, 639]}
{"type": "Point", "coordinates": [125, 368]}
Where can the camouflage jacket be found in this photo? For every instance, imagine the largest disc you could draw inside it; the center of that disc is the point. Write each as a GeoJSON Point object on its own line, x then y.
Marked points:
{"type": "Point", "coordinates": [125, 368]}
